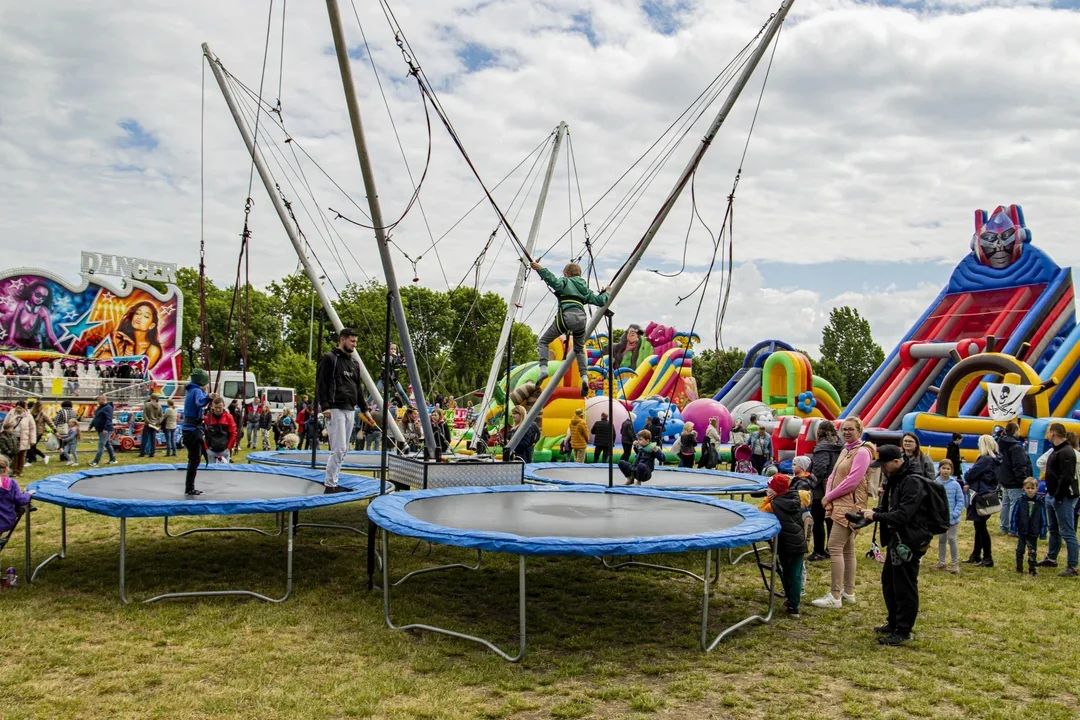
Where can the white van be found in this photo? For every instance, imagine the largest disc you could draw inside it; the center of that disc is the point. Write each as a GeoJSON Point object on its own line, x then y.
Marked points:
{"type": "Point", "coordinates": [279, 399]}
{"type": "Point", "coordinates": [234, 384]}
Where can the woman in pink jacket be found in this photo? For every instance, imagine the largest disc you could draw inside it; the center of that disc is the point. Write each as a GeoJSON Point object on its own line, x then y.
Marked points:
{"type": "Point", "coordinates": [846, 491]}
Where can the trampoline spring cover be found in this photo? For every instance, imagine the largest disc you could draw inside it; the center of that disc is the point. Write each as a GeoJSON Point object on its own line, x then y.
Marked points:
{"type": "Point", "coordinates": [58, 490]}
{"type": "Point", "coordinates": [698, 480]}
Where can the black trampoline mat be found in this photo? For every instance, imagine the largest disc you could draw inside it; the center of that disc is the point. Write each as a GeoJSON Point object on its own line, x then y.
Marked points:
{"type": "Point", "coordinates": [573, 514]}
{"type": "Point", "coordinates": [351, 458]}
{"type": "Point", "coordinates": [660, 478]}
{"type": "Point", "coordinates": [216, 485]}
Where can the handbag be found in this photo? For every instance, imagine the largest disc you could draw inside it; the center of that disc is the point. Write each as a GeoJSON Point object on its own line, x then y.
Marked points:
{"type": "Point", "coordinates": [987, 503]}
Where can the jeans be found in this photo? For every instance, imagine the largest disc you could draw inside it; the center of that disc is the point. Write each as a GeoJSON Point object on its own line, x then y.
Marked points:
{"type": "Point", "coordinates": [72, 450]}
{"type": "Point", "coordinates": [791, 575]}
{"type": "Point", "coordinates": [104, 442]}
{"type": "Point", "coordinates": [217, 457]}
{"type": "Point", "coordinates": [398, 390]}
{"type": "Point", "coordinates": [148, 441]}
{"type": "Point", "coordinates": [252, 434]}
{"type": "Point", "coordinates": [1031, 543]}
{"type": "Point", "coordinates": [264, 433]}
{"type": "Point", "coordinates": [170, 442]}
{"type": "Point", "coordinates": [373, 440]}
{"type": "Point", "coordinates": [1062, 526]}
{"type": "Point", "coordinates": [1009, 496]}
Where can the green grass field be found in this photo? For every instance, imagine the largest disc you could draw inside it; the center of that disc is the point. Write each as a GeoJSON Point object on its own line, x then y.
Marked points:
{"type": "Point", "coordinates": [602, 644]}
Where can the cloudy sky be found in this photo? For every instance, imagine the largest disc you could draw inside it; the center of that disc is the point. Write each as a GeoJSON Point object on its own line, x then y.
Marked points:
{"type": "Point", "coordinates": [882, 127]}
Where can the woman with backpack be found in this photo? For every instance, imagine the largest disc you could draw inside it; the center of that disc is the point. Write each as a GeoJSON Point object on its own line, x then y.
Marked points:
{"type": "Point", "coordinates": [981, 482]}
{"type": "Point", "coordinates": [823, 460]}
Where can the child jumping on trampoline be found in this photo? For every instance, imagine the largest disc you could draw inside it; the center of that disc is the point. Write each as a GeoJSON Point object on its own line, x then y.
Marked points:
{"type": "Point", "coordinates": [572, 292]}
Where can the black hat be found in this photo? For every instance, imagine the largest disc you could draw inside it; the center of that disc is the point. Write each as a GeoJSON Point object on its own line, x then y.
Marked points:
{"type": "Point", "coordinates": [886, 453]}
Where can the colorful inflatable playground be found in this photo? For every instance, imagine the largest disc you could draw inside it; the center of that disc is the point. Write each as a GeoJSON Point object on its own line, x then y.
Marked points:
{"type": "Point", "coordinates": [1005, 319]}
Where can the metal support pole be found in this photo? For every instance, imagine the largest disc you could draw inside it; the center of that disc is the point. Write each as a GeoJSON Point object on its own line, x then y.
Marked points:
{"type": "Point", "coordinates": [382, 449]}
{"type": "Point", "coordinates": [282, 212]}
{"type": "Point", "coordinates": [654, 227]}
{"type": "Point", "coordinates": [375, 210]}
{"type": "Point", "coordinates": [611, 400]}
{"type": "Point", "coordinates": [507, 455]}
{"type": "Point", "coordinates": [519, 287]}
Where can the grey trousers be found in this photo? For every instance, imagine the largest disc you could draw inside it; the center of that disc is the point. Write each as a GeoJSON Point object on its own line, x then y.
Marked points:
{"type": "Point", "coordinates": [575, 320]}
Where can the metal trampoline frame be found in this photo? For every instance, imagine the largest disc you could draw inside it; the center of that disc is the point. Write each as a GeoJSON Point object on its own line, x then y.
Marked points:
{"type": "Point", "coordinates": [707, 645]}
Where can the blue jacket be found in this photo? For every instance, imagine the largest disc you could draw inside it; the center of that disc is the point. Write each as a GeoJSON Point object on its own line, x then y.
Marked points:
{"type": "Point", "coordinates": [982, 478]}
{"type": "Point", "coordinates": [103, 418]}
{"type": "Point", "coordinates": [195, 402]}
{"type": "Point", "coordinates": [957, 500]}
{"type": "Point", "coordinates": [1029, 517]}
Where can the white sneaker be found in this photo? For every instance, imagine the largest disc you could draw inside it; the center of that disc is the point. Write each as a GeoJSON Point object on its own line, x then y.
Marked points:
{"type": "Point", "coordinates": [827, 601]}
{"type": "Point", "coordinates": [848, 598]}
{"type": "Point", "coordinates": [113, 462]}
{"type": "Point", "coordinates": [46, 459]}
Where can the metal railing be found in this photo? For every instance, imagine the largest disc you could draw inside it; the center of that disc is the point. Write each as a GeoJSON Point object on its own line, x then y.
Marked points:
{"type": "Point", "coordinates": [50, 389]}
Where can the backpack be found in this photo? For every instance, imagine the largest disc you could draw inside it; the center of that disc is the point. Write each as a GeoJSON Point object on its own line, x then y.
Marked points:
{"type": "Point", "coordinates": [217, 437]}
{"type": "Point", "coordinates": [934, 508]}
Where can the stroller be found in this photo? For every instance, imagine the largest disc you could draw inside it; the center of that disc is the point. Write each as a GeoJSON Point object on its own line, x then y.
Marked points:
{"type": "Point", "coordinates": [741, 455]}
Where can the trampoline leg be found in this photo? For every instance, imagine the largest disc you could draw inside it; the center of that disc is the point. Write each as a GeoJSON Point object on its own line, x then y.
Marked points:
{"type": "Point", "coordinates": [707, 646]}
{"type": "Point", "coordinates": [280, 528]}
{"type": "Point", "coordinates": [437, 568]}
{"type": "Point", "coordinates": [666, 568]}
{"type": "Point", "coordinates": [60, 555]}
{"type": "Point", "coordinates": [386, 585]}
{"type": "Point", "coordinates": [207, 593]}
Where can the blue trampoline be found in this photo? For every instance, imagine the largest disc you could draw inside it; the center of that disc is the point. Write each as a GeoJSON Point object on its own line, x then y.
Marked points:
{"type": "Point", "coordinates": [144, 491]}
{"type": "Point", "coordinates": [583, 521]}
{"type": "Point", "coordinates": [689, 480]}
{"type": "Point", "coordinates": [357, 460]}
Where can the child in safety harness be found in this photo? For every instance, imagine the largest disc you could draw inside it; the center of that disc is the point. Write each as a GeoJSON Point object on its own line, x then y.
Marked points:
{"type": "Point", "coordinates": [573, 293]}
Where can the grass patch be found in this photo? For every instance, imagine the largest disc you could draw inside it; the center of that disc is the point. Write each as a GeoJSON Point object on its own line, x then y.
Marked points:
{"type": "Point", "coordinates": [602, 644]}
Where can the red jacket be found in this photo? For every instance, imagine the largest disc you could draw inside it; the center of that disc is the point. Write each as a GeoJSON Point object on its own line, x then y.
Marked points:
{"type": "Point", "coordinates": [226, 419]}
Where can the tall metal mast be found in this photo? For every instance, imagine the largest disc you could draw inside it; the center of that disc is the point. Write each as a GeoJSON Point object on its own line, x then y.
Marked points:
{"type": "Point", "coordinates": [283, 215]}
{"type": "Point", "coordinates": [624, 273]}
{"type": "Point", "coordinates": [519, 286]}
{"type": "Point", "coordinates": [375, 210]}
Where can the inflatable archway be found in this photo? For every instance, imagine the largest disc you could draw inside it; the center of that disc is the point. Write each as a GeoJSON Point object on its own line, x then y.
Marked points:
{"type": "Point", "coordinates": [971, 370]}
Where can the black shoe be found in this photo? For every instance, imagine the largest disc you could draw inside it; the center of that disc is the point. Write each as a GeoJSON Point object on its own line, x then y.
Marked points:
{"type": "Point", "coordinates": [1033, 572]}
{"type": "Point", "coordinates": [817, 557]}
{"type": "Point", "coordinates": [192, 492]}
{"type": "Point", "coordinates": [894, 639]}
{"type": "Point", "coordinates": [884, 630]}
{"type": "Point", "coordinates": [972, 559]}
{"type": "Point", "coordinates": [584, 389]}
{"type": "Point", "coordinates": [331, 489]}
{"type": "Point", "coordinates": [1046, 562]}
{"type": "Point", "coordinates": [988, 563]}
{"type": "Point", "coordinates": [1020, 569]}
{"type": "Point", "coordinates": [793, 612]}
{"type": "Point", "coordinates": [1068, 572]}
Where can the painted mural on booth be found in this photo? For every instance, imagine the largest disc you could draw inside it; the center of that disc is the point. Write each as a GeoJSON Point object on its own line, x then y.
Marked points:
{"type": "Point", "coordinates": [45, 319]}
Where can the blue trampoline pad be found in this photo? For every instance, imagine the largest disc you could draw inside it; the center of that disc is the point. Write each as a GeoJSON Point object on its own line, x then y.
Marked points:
{"type": "Point", "coordinates": [693, 480]}
{"type": "Point", "coordinates": [580, 520]}
{"type": "Point", "coordinates": [354, 459]}
{"type": "Point", "coordinates": [158, 490]}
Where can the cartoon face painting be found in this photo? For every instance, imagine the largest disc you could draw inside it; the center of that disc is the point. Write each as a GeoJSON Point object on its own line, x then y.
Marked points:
{"type": "Point", "coordinates": [999, 238]}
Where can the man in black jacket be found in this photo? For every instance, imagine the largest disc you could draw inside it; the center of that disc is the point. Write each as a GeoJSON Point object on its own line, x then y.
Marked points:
{"type": "Point", "coordinates": [1061, 494]}
{"type": "Point", "coordinates": [1014, 469]}
{"type": "Point", "coordinates": [603, 439]}
{"type": "Point", "coordinates": [337, 394]}
{"type": "Point", "coordinates": [908, 540]}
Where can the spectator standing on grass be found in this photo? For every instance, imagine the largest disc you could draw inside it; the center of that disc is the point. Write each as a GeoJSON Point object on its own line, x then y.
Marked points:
{"type": "Point", "coordinates": [957, 502]}
{"type": "Point", "coordinates": [603, 432]}
{"type": "Point", "coordinates": [102, 424]}
{"type": "Point", "coordinates": [710, 446]}
{"type": "Point", "coordinates": [909, 539]}
{"type": "Point", "coordinates": [827, 450]}
{"type": "Point", "coordinates": [1014, 469]}
{"type": "Point", "coordinates": [846, 491]}
{"type": "Point", "coordinates": [219, 429]}
{"type": "Point", "coordinates": [1061, 494]}
{"type": "Point", "coordinates": [785, 503]}
{"type": "Point", "coordinates": [579, 435]}
{"type": "Point", "coordinates": [1028, 523]}
{"type": "Point", "coordinates": [237, 413]}
{"type": "Point", "coordinates": [981, 480]}
{"type": "Point", "coordinates": [739, 436]}
{"type": "Point", "coordinates": [626, 437]}
{"type": "Point", "coordinates": [152, 419]}
{"type": "Point", "coordinates": [168, 424]}
{"type": "Point", "coordinates": [687, 445]}
{"type": "Point", "coordinates": [760, 449]}
{"type": "Point", "coordinates": [952, 452]}
{"type": "Point", "coordinates": [71, 444]}
{"type": "Point", "coordinates": [266, 424]}
{"type": "Point", "coordinates": [251, 424]}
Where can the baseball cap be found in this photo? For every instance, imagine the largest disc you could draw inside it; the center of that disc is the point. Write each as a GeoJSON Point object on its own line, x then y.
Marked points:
{"type": "Point", "coordinates": [887, 453]}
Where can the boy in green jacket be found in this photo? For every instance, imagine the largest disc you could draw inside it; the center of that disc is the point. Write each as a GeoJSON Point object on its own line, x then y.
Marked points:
{"type": "Point", "coordinates": [572, 292]}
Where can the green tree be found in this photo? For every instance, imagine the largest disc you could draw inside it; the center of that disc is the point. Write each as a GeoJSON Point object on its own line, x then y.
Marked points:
{"type": "Point", "coordinates": [849, 355]}
{"type": "Point", "coordinates": [713, 368]}
{"type": "Point", "coordinates": [290, 369]}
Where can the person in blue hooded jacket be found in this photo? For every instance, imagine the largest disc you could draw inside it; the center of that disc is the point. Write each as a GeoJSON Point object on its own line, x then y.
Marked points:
{"type": "Point", "coordinates": [191, 429]}
{"type": "Point", "coordinates": [981, 479]}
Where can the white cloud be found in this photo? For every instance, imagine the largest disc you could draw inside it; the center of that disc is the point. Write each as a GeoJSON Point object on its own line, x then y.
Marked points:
{"type": "Point", "coordinates": [880, 132]}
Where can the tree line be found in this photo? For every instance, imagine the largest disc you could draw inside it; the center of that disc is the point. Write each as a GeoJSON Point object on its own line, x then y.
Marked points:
{"type": "Point", "coordinates": [454, 332]}
{"type": "Point", "coordinates": [848, 356]}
